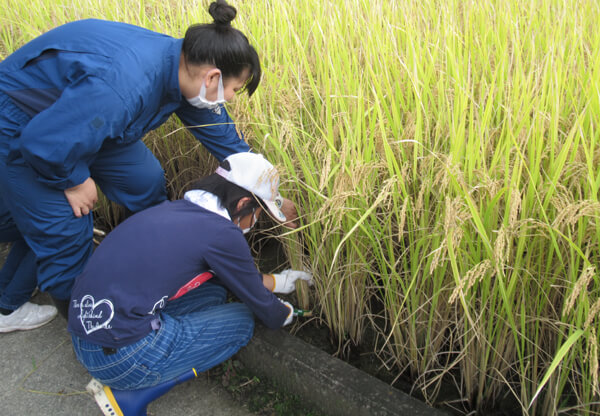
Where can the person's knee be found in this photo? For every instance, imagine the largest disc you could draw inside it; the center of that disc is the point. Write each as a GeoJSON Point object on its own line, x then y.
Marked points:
{"type": "Point", "coordinates": [130, 176]}
{"type": "Point", "coordinates": [153, 184]}
{"type": "Point", "coordinates": [143, 191]}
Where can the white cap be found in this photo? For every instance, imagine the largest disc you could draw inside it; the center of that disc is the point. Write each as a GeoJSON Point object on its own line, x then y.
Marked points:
{"type": "Point", "coordinates": [257, 175]}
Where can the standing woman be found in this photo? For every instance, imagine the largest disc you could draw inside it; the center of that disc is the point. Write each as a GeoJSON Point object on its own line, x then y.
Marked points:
{"type": "Point", "coordinates": [74, 105]}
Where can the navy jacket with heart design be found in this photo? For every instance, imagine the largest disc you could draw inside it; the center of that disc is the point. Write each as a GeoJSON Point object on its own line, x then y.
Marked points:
{"type": "Point", "coordinates": [156, 255]}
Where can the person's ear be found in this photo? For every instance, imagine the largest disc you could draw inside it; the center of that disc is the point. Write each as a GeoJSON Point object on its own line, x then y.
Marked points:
{"type": "Point", "coordinates": [212, 77]}
{"type": "Point", "coordinates": [242, 203]}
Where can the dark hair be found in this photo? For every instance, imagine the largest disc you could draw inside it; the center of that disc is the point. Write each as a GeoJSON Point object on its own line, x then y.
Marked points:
{"type": "Point", "coordinates": [220, 44]}
{"type": "Point", "coordinates": [228, 193]}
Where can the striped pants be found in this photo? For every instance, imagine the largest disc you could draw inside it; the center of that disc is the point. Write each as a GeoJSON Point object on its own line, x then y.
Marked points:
{"type": "Point", "coordinates": [198, 330]}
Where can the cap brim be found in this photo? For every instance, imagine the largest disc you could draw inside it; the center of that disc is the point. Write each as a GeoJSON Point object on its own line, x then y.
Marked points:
{"type": "Point", "coordinates": [275, 211]}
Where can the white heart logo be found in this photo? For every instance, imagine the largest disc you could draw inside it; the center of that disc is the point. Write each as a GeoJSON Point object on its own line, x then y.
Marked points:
{"type": "Point", "coordinates": [95, 315]}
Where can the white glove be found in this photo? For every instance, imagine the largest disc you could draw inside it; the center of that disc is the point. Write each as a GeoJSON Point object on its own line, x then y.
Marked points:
{"type": "Point", "coordinates": [285, 282]}
{"type": "Point", "coordinates": [290, 316]}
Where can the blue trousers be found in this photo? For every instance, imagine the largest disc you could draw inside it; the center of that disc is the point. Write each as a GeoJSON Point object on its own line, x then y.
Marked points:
{"type": "Point", "coordinates": [62, 243]}
{"type": "Point", "coordinates": [198, 330]}
{"type": "Point", "coordinates": [17, 277]}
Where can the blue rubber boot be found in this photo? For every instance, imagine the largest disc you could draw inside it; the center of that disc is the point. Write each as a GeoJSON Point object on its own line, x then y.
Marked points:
{"type": "Point", "coordinates": [115, 402]}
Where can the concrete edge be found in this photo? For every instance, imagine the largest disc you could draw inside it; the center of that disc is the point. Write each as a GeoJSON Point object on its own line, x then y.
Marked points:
{"type": "Point", "coordinates": [323, 382]}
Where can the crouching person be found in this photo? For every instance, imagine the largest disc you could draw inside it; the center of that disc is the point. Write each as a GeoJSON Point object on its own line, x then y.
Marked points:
{"type": "Point", "coordinates": [150, 310]}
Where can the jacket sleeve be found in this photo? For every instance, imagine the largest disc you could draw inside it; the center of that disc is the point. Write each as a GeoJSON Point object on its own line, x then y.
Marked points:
{"type": "Point", "coordinates": [230, 258]}
{"type": "Point", "coordinates": [60, 142]}
{"type": "Point", "coordinates": [214, 128]}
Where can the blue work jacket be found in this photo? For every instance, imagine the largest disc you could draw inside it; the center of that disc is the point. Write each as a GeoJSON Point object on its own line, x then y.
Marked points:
{"type": "Point", "coordinates": [92, 80]}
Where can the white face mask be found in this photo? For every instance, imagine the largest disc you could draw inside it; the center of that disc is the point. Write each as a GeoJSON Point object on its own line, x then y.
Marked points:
{"type": "Point", "coordinates": [200, 100]}
{"type": "Point", "coordinates": [246, 230]}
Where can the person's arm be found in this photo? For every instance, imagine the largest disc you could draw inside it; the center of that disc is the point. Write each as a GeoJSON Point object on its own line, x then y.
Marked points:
{"type": "Point", "coordinates": [215, 130]}
{"type": "Point", "coordinates": [59, 142]}
{"type": "Point", "coordinates": [230, 258]}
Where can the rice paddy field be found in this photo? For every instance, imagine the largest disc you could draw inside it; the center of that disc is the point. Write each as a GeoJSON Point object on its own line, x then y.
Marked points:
{"type": "Point", "coordinates": [445, 156]}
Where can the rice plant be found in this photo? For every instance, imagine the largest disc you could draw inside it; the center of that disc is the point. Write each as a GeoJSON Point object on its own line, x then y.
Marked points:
{"type": "Point", "coordinates": [445, 158]}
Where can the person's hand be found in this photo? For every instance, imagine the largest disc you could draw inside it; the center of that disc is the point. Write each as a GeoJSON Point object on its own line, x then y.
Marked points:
{"type": "Point", "coordinates": [291, 214]}
{"type": "Point", "coordinates": [290, 316]}
{"type": "Point", "coordinates": [82, 197]}
{"type": "Point", "coordinates": [285, 282]}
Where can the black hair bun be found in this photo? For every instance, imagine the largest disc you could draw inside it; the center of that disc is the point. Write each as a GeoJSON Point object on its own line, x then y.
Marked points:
{"type": "Point", "coordinates": [222, 12]}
